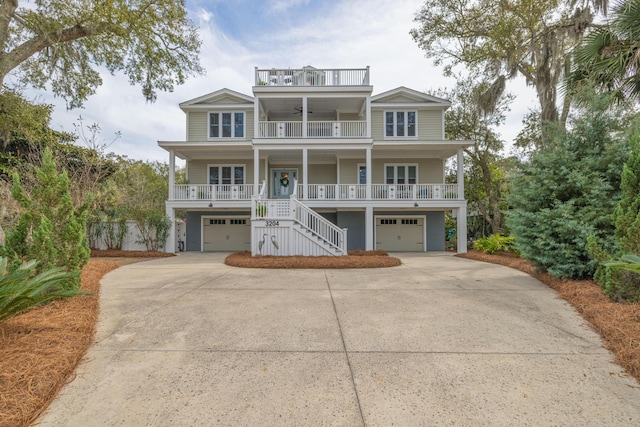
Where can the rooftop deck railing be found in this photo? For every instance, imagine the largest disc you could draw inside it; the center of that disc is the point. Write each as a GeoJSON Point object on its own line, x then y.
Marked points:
{"type": "Point", "coordinates": [309, 76]}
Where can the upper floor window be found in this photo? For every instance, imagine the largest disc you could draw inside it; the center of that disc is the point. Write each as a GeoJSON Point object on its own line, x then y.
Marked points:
{"type": "Point", "coordinates": [399, 123]}
{"type": "Point", "coordinates": [226, 125]}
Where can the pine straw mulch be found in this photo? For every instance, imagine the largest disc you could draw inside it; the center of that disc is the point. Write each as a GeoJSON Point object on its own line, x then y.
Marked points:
{"type": "Point", "coordinates": [355, 259]}
{"type": "Point", "coordinates": [617, 323]}
{"type": "Point", "coordinates": [40, 349]}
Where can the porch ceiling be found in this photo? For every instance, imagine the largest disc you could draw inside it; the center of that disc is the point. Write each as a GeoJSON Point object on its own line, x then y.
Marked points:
{"type": "Point", "coordinates": [322, 108]}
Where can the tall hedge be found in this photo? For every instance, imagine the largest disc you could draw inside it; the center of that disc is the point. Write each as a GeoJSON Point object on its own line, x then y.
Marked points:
{"type": "Point", "coordinates": [567, 192]}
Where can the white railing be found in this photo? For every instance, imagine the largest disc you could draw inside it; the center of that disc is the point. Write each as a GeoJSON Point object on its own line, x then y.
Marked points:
{"type": "Point", "coordinates": [333, 235]}
{"type": "Point", "coordinates": [321, 192]}
{"type": "Point", "coordinates": [309, 76]}
{"type": "Point", "coordinates": [213, 192]}
{"type": "Point", "coordinates": [315, 129]}
{"type": "Point", "coordinates": [270, 209]}
{"type": "Point", "coordinates": [379, 192]}
{"type": "Point", "coordinates": [280, 129]}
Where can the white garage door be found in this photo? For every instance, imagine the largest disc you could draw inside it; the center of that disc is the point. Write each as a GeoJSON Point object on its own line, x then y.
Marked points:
{"type": "Point", "coordinates": [400, 234]}
{"type": "Point", "coordinates": [226, 234]}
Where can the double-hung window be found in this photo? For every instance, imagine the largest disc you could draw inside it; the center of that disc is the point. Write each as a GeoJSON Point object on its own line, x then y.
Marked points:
{"type": "Point", "coordinates": [401, 174]}
{"type": "Point", "coordinates": [226, 125]}
{"type": "Point", "coordinates": [226, 174]}
{"type": "Point", "coordinates": [400, 124]}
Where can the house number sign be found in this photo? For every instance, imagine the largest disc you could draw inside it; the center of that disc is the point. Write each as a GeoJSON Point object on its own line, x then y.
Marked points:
{"type": "Point", "coordinates": [272, 223]}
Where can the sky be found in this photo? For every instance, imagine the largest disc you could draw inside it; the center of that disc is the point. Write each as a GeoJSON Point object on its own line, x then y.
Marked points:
{"type": "Point", "coordinates": [239, 35]}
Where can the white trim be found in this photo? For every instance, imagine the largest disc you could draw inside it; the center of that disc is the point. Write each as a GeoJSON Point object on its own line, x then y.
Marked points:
{"type": "Point", "coordinates": [233, 130]}
{"type": "Point", "coordinates": [217, 216]}
{"type": "Point", "coordinates": [414, 94]}
{"type": "Point", "coordinates": [395, 177]}
{"type": "Point", "coordinates": [424, 227]}
{"type": "Point", "coordinates": [233, 175]}
{"type": "Point", "coordinates": [406, 124]}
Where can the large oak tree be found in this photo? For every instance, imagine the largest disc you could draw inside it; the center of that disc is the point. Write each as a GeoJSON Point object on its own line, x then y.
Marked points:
{"type": "Point", "coordinates": [502, 39]}
{"type": "Point", "coordinates": [62, 43]}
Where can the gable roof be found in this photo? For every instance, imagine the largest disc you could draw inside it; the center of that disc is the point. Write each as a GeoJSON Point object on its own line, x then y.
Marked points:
{"type": "Point", "coordinates": [222, 96]}
{"type": "Point", "coordinates": [405, 95]}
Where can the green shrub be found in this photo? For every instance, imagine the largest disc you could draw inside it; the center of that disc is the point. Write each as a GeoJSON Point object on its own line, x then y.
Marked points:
{"type": "Point", "coordinates": [494, 244]}
{"type": "Point", "coordinates": [620, 279]}
{"type": "Point", "coordinates": [20, 289]}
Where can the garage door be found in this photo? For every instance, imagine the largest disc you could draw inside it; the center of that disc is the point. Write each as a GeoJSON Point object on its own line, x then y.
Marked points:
{"type": "Point", "coordinates": [400, 234]}
{"type": "Point", "coordinates": [226, 234]}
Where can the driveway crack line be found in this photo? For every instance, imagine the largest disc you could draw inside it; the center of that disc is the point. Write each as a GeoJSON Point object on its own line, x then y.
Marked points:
{"type": "Point", "coordinates": [344, 346]}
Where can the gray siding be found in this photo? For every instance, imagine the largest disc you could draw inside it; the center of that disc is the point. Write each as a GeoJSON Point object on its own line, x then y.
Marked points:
{"type": "Point", "coordinates": [198, 173]}
{"type": "Point", "coordinates": [430, 171]}
{"type": "Point", "coordinates": [321, 174]}
{"type": "Point", "coordinates": [429, 124]}
{"type": "Point", "coordinates": [198, 123]}
{"type": "Point", "coordinates": [435, 231]}
{"type": "Point", "coordinates": [353, 221]}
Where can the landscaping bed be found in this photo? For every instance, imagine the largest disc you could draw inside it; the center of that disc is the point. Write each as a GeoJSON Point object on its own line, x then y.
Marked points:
{"type": "Point", "coordinates": [355, 259]}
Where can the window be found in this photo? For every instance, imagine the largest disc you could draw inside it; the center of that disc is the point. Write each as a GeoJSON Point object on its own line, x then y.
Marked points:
{"type": "Point", "coordinates": [400, 123]}
{"type": "Point", "coordinates": [226, 125]}
{"type": "Point", "coordinates": [401, 174]}
{"type": "Point", "coordinates": [388, 222]}
{"type": "Point", "coordinates": [226, 174]}
{"type": "Point", "coordinates": [362, 174]}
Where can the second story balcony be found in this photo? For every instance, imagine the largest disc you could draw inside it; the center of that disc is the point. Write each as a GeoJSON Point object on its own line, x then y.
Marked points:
{"type": "Point", "coordinates": [313, 129]}
{"type": "Point", "coordinates": [310, 76]}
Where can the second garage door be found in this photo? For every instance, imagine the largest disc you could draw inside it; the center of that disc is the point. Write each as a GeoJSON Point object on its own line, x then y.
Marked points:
{"type": "Point", "coordinates": [226, 234]}
{"type": "Point", "coordinates": [400, 234]}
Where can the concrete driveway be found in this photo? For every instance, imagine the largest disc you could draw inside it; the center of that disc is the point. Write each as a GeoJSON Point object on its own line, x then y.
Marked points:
{"type": "Point", "coordinates": [189, 341]}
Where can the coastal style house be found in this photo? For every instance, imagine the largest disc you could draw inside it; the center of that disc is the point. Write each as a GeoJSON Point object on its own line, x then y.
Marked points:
{"type": "Point", "coordinates": [314, 164]}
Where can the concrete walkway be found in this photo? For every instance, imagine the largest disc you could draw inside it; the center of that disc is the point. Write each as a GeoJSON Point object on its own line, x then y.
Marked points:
{"type": "Point", "coordinates": [188, 341]}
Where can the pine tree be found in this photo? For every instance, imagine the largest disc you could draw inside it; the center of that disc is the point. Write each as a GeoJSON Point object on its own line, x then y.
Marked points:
{"type": "Point", "coordinates": [50, 229]}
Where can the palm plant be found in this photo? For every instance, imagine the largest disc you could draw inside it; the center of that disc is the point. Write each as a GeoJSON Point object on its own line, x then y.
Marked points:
{"type": "Point", "coordinates": [609, 56]}
{"type": "Point", "coordinates": [20, 289]}
{"type": "Point", "coordinates": [629, 262]}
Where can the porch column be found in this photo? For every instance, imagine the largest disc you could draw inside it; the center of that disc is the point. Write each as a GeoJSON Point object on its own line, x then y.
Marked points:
{"type": "Point", "coordinates": [256, 170]}
{"type": "Point", "coordinates": [304, 116]}
{"type": "Point", "coordinates": [368, 228]}
{"type": "Point", "coordinates": [368, 116]}
{"type": "Point", "coordinates": [461, 231]}
{"type": "Point", "coordinates": [170, 245]}
{"type": "Point", "coordinates": [172, 174]}
{"type": "Point", "coordinates": [256, 118]}
{"type": "Point", "coordinates": [305, 175]}
{"type": "Point", "coordinates": [368, 171]}
{"type": "Point", "coordinates": [460, 177]}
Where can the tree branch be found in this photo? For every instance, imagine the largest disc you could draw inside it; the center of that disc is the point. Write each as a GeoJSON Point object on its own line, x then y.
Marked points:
{"type": "Point", "coordinates": [7, 8]}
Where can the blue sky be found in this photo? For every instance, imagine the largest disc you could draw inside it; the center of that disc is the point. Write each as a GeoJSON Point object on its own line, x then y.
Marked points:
{"type": "Point", "coordinates": [239, 35]}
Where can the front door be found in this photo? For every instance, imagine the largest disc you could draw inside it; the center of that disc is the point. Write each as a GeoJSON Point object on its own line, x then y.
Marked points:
{"type": "Point", "coordinates": [282, 182]}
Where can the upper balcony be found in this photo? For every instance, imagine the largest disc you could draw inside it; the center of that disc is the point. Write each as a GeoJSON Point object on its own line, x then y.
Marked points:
{"type": "Point", "coordinates": [310, 76]}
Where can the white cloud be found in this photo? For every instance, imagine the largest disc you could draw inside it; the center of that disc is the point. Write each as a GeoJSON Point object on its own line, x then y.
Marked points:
{"type": "Point", "coordinates": [350, 34]}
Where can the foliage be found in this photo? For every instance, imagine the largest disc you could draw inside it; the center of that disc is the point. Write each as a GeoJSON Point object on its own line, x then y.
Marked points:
{"type": "Point", "coordinates": [153, 227]}
{"type": "Point", "coordinates": [469, 119]}
{"type": "Point", "coordinates": [22, 289]}
{"type": "Point", "coordinates": [50, 228]}
{"type": "Point", "coordinates": [627, 213]}
{"type": "Point", "coordinates": [608, 56]}
{"type": "Point", "coordinates": [568, 192]}
{"type": "Point", "coordinates": [504, 39]}
{"type": "Point", "coordinates": [61, 42]}
{"type": "Point", "coordinates": [494, 244]}
{"type": "Point", "coordinates": [620, 278]}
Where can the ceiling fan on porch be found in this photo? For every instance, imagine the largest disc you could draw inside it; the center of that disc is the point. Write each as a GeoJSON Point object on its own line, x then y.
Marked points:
{"type": "Point", "coordinates": [298, 110]}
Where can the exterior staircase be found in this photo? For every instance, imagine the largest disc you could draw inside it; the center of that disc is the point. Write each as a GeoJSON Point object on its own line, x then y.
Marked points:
{"type": "Point", "coordinates": [285, 227]}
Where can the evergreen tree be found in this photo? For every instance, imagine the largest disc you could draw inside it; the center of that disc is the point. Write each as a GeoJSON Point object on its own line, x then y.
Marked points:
{"type": "Point", "coordinates": [568, 192]}
{"type": "Point", "coordinates": [627, 214]}
{"type": "Point", "coordinates": [50, 229]}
